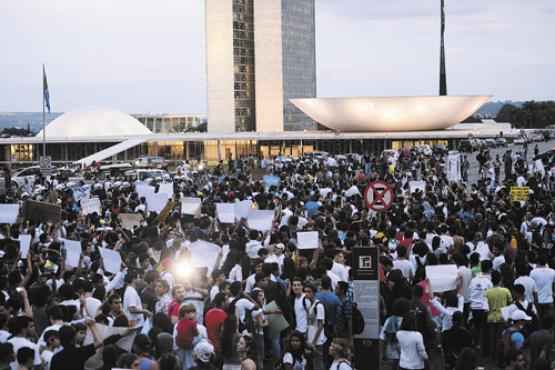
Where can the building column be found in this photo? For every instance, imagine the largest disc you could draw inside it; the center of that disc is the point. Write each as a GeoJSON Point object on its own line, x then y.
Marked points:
{"type": "Point", "coordinates": [219, 149]}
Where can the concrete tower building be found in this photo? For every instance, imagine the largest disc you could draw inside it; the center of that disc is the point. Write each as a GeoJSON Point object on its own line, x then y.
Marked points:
{"type": "Point", "coordinates": [260, 54]}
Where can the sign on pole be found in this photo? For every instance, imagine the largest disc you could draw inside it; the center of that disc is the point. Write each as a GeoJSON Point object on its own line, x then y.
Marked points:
{"type": "Point", "coordinates": [379, 196]}
{"type": "Point", "coordinates": [45, 163]}
{"type": "Point", "coordinates": [366, 290]}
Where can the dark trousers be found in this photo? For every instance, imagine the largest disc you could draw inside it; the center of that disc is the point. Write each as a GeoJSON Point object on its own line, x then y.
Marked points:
{"type": "Point", "coordinates": [544, 309]}
{"type": "Point", "coordinates": [495, 330]}
{"type": "Point", "coordinates": [479, 329]}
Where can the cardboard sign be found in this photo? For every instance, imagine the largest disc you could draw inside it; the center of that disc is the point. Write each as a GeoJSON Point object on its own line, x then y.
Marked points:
{"type": "Point", "coordinates": [261, 220]}
{"type": "Point", "coordinates": [191, 206]}
{"type": "Point", "coordinates": [8, 213]}
{"type": "Point", "coordinates": [111, 259]}
{"type": "Point", "coordinates": [40, 212]}
{"type": "Point", "coordinates": [73, 253]}
{"type": "Point", "coordinates": [130, 220]}
{"type": "Point", "coordinates": [90, 206]}
{"type": "Point", "coordinates": [308, 240]}
{"type": "Point", "coordinates": [520, 193]}
{"type": "Point", "coordinates": [225, 212]}
{"type": "Point", "coordinates": [442, 277]}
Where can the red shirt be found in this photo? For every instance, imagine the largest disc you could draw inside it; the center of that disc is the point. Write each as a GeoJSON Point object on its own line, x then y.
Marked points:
{"type": "Point", "coordinates": [214, 320]}
{"type": "Point", "coordinates": [173, 309]}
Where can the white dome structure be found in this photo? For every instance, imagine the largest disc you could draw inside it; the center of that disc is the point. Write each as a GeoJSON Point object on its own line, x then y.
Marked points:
{"type": "Point", "coordinates": [386, 114]}
{"type": "Point", "coordinates": [94, 123]}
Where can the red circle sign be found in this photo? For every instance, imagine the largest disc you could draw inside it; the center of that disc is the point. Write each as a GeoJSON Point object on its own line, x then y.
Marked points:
{"type": "Point", "coordinates": [379, 196]}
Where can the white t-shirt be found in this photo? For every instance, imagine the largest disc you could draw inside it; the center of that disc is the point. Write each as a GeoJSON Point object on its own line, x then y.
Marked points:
{"type": "Point", "coordinates": [131, 299]}
{"type": "Point", "coordinates": [478, 287]}
{"type": "Point", "coordinates": [20, 342]}
{"type": "Point", "coordinates": [413, 352]}
{"type": "Point", "coordinates": [249, 283]}
{"type": "Point", "coordinates": [296, 365]}
{"type": "Point", "coordinates": [236, 273]}
{"type": "Point", "coordinates": [544, 278]}
{"type": "Point", "coordinates": [300, 314]}
{"type": "Point", "coordinates": [252, 248]}
{"type": "Point", "coordinates": [482, 248]}
{"type": "Point", "coordinates": [241, 307]}
{"type": "Point", "coordinates": [341, 365]}
{"type": "Point", "coordinates": [529, 287]}
{"type": "Point", "coordinates": [406, 268]}
{"type": "Point", "coordinates": [498, 262]}
{"type": "Point", "coordinates": [316, 312]}
{"type": "Point", "coordinates": [341, 271]}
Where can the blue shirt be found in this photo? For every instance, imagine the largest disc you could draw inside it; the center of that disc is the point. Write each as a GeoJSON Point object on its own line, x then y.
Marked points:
{"type": "Point", "coordinates": [331, 302]}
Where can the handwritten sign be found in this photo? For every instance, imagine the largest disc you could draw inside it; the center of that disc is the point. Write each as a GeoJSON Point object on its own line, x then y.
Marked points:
{"type": "Point", "coordinates": [90, 206]}
{"type": "Point", "coordinates": [73, 252]}
{"type": "Point", "coordinates": [225, 212]}
{"type": "Point", "coordinates": [260, 220]}
{"type": "Point", "coordinates": [308, 240]}
{"type": "Point", "coordinates": [520, 193]}
{"type": "Point", "coordinates": [442, 277]}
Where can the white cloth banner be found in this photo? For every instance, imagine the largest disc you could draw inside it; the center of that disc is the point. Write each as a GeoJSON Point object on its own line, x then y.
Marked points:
{"type": "Point", "coordinates": [156, 202]}
{"type": "Point", "coordinates": [417, 185]}
{"type": "Point", "coordinates": [24, 245]}
{"type": "Point", "coordinates": [242, 209]}
{"type": "Point", "coordinates": [73, 252]}
{"type": "Point", "coordinates": [112, 260]}
{"type": "Point", "coordinates": [144, 190]}
{"type": "Point", "coordinates": [8, 213]}
{"type": "Point", "coordinates": [204, 254]}
{"type": "Point", "coordinates": [454, 167]}
{"type": "Point", "coordinates": [191, 206]}
{"type": "Point", "coordinates": [260, 220]}
{"type": "Point", "coordinates": [442, 277]}
{"type": "Point", "coordinates": [166, 188]}
{"type": "Point", "coordinates": [90, 206]}
{"type": "Point", "coordinates": [308, 240]}
{"type": "Point", "coordinates": [225, 212]}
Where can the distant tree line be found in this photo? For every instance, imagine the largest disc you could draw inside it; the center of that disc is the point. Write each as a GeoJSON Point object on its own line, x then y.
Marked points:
{"type": "Point", "coordinates": [15, 131]}
{"type": "Point", "coordinates": [531, 114]}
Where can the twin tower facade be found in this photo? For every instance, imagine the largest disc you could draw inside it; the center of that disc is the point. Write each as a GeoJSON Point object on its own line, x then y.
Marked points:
{"type": "Point", "coordinates": [260, 54]}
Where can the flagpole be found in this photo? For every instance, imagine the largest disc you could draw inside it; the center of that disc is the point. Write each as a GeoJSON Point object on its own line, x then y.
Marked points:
{"type": "Point", "coordinates": [43, 118]}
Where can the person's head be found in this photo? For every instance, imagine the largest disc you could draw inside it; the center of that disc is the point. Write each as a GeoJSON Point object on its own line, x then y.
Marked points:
{"type": "Point", "coordinates": [162, 287]}
{"type": "Point", "coordinates": [310, 291]}
{"type": "Point", "coordinates": [341, 288]}
{"type": "Point", "coordinates": [458, 319]}
{"type": "Point", "coordinates": [26, 357]}
{"type": "Point", "coordinates": [22, 326]}
{"type": "Point", "coordinates": [56, 313]}
{"type": "Point", "coordinates": [297, 286]}
{"type": "Point", "coordinates": [168, 362]}
{"type": "Point", "coordinates": [495, 277]}
{"type": "Point", "coordinates": [409, 323]}
{"type": "Point", "coordinates": [218, 276]}
{"type": "Point", "coordinates": [115, 304]}
{"type": "Point", "coordinates": [128, 361]}
{"type": "Point", "coordinates": [219, 300]}
{"type": "Point", "coordinates": [296, 342]}
{"type": "Point", "coordinates": [80, 332]}
{"type": "Point", "coordinates": [6, 353]}
{"type": "Point", "coordinates": [451, 299]}
{"type": "Point", "coordinates": [188, 311]}
{"type": "Point", "coordinates": [517, 360]}
{"type": "Point", "coordinates": [245, 344]}
{"type": "Point", "coordinates": [518, 292]}
{"type": "Point", "coordinates": [203, 352]}
{"type": "Point", "coordinates": [67, 336]}
{"type": "Point", "coordinates": [339, 257]}
{"type": "Point", "coordinates": [179, 292]}
{"type": "Point", "coordinates": [258, 295]}
{"type": "Point", "coordinates": [52, 339]}
{"type": "Point", "coordinates": [236, 288]}
{"type": "Point", "coordinates": [142, 345]}
{"type": "Point", "coordinates": [485, 266]}
{"type": "Point", "coordinates": [326, 283]}
{"type": "Point", "coordinates": [340, 349]}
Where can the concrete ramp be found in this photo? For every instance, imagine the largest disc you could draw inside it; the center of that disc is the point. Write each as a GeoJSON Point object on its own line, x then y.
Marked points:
{"type": "Point", "coordinates": [109, 152]}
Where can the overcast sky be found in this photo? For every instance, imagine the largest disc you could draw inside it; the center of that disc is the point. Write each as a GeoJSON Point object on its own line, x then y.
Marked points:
{"type": "Point", "coordinates": [148, 56]}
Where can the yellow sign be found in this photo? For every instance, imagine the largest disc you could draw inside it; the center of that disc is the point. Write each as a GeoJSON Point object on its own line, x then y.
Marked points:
{"type": "Point", "coordinates": [519, 193]}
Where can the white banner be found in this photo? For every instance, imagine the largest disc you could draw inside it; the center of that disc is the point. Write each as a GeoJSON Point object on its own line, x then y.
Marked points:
{"type": "Point", "coordinates": [308, 240]}
{"type": "Point", "coordinates": [8, 213]}
{"type": "Point", "coordinates": [442, 277]}
{"type": "Point", "coordinates": [260, 220]}
{"type": "Point", "coordinates": [225, 212]}
{"type": "Point", "coordinates": [156, 202]}
{"type": "Point", "coordinates": [204, 254]}
{"type": "Point", "coordinates": [144, 190]}
{"type": "Point", "coordinates": [166, 188]}
{"type": "Point", "coordinates": [90, 206]}
{"type": "Point", "coordinates": [454, 167]}
{"type": "Point", "coordinates": [242, 209]}
{"type": "Point", "coordinates": [417, 185]}
{"type": "Point", "coordinates": [73, 253]}
{"type": "Point", "coordinates": [112, 260]}
{"type": "Point", "coordinates": [24, 245]}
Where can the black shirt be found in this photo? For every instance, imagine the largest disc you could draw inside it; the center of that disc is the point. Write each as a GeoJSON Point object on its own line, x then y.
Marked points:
{"type": "Point", "coordinates": [72, 358]}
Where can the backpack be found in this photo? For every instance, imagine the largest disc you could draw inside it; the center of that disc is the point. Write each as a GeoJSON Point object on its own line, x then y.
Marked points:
{"type": "Point", "coordinates": [183, 340]}
{"type": "Point", "coordinates": [328, 328]}
{"type": "Point", "coordinates": [358, 321]}
{"type": "Point", "coordinates": [248, 324]}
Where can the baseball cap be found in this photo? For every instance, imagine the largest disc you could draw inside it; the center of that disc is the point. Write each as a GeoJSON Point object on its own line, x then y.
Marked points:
{"type": "Point", "coordinates": [203, 351]}
{"type": "Point", "coordinates": [518, 315]}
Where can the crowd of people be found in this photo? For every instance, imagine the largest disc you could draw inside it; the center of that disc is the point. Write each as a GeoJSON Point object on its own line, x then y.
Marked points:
{"type": "Point", "coordinates": [265, 301]}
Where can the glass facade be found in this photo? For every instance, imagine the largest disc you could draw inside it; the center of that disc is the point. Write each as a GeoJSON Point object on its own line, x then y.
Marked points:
{"type": "Point", "coordinates": [243, 63]}
{"type": "Point", "coordinates": [169, 123]}
{"type": "Point", "coordinates": [299, 60]}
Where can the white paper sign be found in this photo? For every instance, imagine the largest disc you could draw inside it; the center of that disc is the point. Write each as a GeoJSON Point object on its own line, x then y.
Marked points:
{"type": "Point", "coordinates": [90, 206]}
{"type": "Point", "coordinates": [73, 253]}
{"type": "Point", "coordinates": [166, 188]}
{"type": "Point", "coordinates": [308, 240]}
{"type": "Point", "coordinates": [204, 254]}
{"type": "Point", "coordinates": [260, 220]}
{"type": "Point", "coordinates": [112, 260]}
{"type": "Point", "coordinates": [442, 277]}
{"type": "Point", "coordinates": [144, 190]}
{"type": "Point", "coordinates": [156, 202]}
{"type": "Point", "coordinates": [130, 220]}
{"type": "Point", "coordinates": [191, 206]}
{"type": "Point", "coordinates": [24, 245]}
{"type": "Point", "coordinates": [225, 212]}
{"type": "Point", "coordinates": [454, 167]}
{"type": "Point", "coordinates": [417, 185]}
{"type": "Point", "coordinates": [125, 343]}
{"type": "Point", "coordinates": [8, 213]}
{"type": "Point", "coordinates": [242, 209]}
{"type": "Point", "coordinates": [353, 190]}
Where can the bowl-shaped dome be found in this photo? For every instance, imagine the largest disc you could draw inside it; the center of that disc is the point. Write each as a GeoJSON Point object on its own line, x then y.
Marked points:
{"type": "Point", "coordinates": [95, 123]}
{"type": "Point", "coordinates": [410, 113]}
